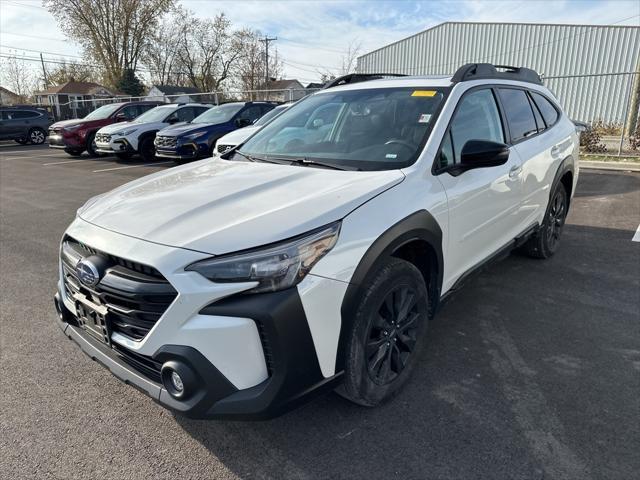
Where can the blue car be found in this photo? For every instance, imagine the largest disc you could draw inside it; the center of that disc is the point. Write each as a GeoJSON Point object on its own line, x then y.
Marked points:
{"type": "Point", "coordinates": [196, 139]}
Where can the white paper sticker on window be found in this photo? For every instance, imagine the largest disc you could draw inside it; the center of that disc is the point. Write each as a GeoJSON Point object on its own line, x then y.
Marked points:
{"type": "Point", "coordinates": [391, 155]}
{"type": "Point", "coordinates": [424, 118]}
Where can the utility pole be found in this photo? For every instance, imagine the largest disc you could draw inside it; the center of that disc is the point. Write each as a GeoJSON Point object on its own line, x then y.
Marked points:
{"type": "Point", "coordinates": [44, 72]}
{"type": "Point", "coordinates": [266, 40]}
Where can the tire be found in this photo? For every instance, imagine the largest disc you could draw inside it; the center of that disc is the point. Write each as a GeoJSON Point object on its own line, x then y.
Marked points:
{"type": "Point", "coordinates": [381, 352]}
{"type": "Point", "coordinates": [147, 150]}
{"type": "Point", "coordinates": [546, 240]}
{"type": "Point", "coordinates": [37, 136]}
{"type": "Point", "coordinates": [91, 145]}
{"type": "Point", "coordinates": [73, 153]}
{"type": "Point", "coordinates": [124, 155]}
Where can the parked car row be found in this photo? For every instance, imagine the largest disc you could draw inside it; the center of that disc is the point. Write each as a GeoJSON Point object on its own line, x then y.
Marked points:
{"type": "Point", "coordinates": [181, 132]}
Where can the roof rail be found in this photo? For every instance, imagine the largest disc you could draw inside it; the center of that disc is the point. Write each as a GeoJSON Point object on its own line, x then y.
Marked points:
{"type": "Point", "coordinates": [477, 71]}
{"type": "Point", "coordinates": [359, 77]}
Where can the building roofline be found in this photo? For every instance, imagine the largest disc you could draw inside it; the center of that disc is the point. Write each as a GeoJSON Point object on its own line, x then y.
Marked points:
{"type": "Point", "coordinates": [593, 26]}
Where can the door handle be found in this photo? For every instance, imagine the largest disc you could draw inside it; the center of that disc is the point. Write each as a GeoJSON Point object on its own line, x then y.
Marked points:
{"type": "Point", "coordinates": [555, 151]}
{"type": "Point", "coordinates": [515, 171]}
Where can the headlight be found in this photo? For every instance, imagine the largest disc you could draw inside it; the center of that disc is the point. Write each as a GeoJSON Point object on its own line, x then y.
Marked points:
{"type": "Point", "coordinates": [124, 133]}
{"type": "Point", "coordinates": [274, 268]}
{"type": "Point", "coordinates": [193, 136]}
{"type": "Point", "coordinates": [72, 128]}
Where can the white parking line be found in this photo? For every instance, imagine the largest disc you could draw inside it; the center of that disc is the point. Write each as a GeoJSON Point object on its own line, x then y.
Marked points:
{"type": "Point", "coordinates": [62, 163]}
{"type": "Point", "coordinates": [21, 157]}
{"type": "Point", "coordinates": [636, 237]}
{"type": "Point", "coordinates": [132, 166]}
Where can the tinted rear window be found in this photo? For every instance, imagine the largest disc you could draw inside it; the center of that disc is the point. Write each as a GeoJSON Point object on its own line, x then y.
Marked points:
{"type": "Point", "coordinates": [549, 113]}
{"type": "Point", "coordinates": [518, 111]}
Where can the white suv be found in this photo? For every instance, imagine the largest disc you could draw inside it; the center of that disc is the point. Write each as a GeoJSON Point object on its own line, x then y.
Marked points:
{"type": "Point", "coordinates": [126, 139]}
{"type": "Point", "coordinates": [312, 256]}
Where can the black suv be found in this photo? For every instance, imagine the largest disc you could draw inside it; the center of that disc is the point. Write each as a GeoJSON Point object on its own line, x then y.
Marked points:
{"type": "Point", "coordinates": [24, 124]}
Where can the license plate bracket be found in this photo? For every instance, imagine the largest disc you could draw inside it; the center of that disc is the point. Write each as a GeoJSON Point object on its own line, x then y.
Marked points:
{"type": "Point", "coordinates": [93, 318]}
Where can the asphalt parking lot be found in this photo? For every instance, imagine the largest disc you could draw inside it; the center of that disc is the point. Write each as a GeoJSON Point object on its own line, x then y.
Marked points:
{"type": "Point", "coordinates": [532, 370]}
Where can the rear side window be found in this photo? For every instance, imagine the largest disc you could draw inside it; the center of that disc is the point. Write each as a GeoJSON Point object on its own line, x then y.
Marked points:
{"type": "Point", "coordinates": [477, 118]}
{"type": "Point", "coordinates": [519, 113]}
{"type": "Point", "coordinates": [24, 114]}
{"type": "Point", "coordinates": [549, 113]}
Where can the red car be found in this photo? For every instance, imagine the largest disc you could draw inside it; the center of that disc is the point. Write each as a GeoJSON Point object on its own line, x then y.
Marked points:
{"type": "Point", "coordinates": [76, 136]}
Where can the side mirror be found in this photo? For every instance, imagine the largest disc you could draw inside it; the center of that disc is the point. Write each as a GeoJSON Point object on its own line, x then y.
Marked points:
{"type": "Point", "coordinates": [242, 122]}
{"type": "Point", "coordinates": [121, 117]}
{"type": "Point", "coordinates": [173, 120]}
{"type": "Point", "coordinates": [482, 154]}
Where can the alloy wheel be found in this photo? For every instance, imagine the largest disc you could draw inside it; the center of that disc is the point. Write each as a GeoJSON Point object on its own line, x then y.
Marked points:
{"type": "Point", "coordinates": [555, 219]}
{"type": "Point", "coordinates": [37, 137]}
{"type": "Point", "coordinates": [393, 334]}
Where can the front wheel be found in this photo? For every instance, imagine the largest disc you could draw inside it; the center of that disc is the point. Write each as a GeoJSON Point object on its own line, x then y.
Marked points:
{"type": "Point", "coordinates": [387, 335]}
{"type": "Point", "coordinates": [546, 240]}
{"type": "Point", "coordinates": [91, 145]}
{"type": "Point", "coordinates": [147, 149]}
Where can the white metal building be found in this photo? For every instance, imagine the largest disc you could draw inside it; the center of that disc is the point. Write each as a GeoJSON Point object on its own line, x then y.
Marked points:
{"type": "Point", "coordinates": [588, 67]}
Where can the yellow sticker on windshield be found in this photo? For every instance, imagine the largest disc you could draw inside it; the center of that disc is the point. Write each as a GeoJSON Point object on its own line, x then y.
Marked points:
{"type": "Point", "coordinates": [423, 93]}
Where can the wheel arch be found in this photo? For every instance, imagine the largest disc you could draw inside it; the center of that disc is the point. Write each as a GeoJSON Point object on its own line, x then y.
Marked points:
{"type": "Point", "coordinates": [565, 174]}
{"type": "Point", "coordinates": [416, 239]}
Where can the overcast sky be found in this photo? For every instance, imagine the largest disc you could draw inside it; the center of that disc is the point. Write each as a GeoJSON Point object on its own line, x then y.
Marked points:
{"type": "Point", "coordinates": [313, 35]}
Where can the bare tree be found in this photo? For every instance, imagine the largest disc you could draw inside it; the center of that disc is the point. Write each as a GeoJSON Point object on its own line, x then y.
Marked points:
{"type": "Point", "coordinates": [208, 52]}
{"type": "Point", "coordinates": [111, 31]}
{"type": "Point", "coordinates": [161, 51]}
{"type": "Point", "coordinates": [350, 57]}
{"type": "Point", "coordinates": [72, 70]}
{"type": "Point", "coordinates": [249, 72]}
{"type": "Point", "coordinates": [19, 77]}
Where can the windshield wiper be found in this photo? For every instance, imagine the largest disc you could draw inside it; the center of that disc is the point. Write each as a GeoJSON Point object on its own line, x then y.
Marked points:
{"type": "Point", "coordinates": [251, 158]}
{"type": "Point", "coordinates": [306, 162]}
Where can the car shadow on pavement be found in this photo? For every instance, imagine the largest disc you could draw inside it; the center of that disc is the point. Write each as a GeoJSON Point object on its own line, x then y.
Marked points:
{"type": "Point", "coordinates": [509, 363]}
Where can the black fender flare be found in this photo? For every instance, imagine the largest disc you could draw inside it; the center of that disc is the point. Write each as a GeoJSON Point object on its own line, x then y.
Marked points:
{"type": "Point", "coordinates": [566, 166]}
{"type": "Point", "coordinates": [418, 226]}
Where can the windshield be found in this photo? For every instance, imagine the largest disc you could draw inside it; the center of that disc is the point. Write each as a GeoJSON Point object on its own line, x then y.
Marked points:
{"type": "Point", "coordinates": [103, 112]}
{"type": "Point", "coordinates": [368, 129]}
{"type": "Point", "coordinates": [219, 114]}
{"type": "Point", "coordinates": [267, 117]}
{"type": "Point", "coordinates": [157, 114]}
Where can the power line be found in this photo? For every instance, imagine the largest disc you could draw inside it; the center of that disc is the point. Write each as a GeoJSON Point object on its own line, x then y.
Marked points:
{"type": "Point", "coordinates": [41, 51]}
{"type": "Point", "coordinates": [37, 37]}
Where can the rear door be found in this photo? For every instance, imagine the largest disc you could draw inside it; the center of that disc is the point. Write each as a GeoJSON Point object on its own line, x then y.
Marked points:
{"type": "Point", "coordinates": [12, 126]}
{"type": "Point", "coordinates": [483, 203]}
{"type": "Point", "coordinates": [537, 144]}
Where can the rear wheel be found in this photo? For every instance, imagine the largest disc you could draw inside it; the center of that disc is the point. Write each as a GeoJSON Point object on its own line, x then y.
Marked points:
{"type": "Point", "coordinates": [147, 149]}
{"type": "Point", "coordinates": [546, 241]}
{"type": "Point", "coordinates": [37, 136]}
{"type": "Point", "coordinates": [388, 334]}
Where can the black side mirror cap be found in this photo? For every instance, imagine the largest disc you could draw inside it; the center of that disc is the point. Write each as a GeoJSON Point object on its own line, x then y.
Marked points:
{"type": "Point", "coordinates": [481, 154]}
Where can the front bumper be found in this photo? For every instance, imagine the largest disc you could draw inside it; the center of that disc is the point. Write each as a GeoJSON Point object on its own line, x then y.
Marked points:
{"type": "Point", "coordinates": [119, 145]}
{"type": "Point", "coordinates": [254, 355]}
{"type": "Point", "coordinates": [184, 151]}
{"type": "Point", "coordinates": [60, 140]}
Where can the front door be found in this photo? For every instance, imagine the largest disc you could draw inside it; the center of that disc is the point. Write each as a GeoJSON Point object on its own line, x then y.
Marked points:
{"type": "Point", "coordinates": [483, 203]}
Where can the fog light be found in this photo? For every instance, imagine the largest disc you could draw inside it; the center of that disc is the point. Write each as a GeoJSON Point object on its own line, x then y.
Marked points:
{"type": "Point", "coordinates": [176, 382]}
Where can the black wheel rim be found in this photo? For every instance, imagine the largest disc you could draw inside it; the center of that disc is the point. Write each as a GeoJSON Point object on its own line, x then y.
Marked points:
{"type": "Point", "coordinates": [393, 333]}
{"type": "Point", "coordinates": [555, 220]}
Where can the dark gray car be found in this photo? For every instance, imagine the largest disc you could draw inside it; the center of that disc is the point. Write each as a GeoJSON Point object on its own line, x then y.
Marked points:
{"type": "Point", "coordinates": [24, 125]}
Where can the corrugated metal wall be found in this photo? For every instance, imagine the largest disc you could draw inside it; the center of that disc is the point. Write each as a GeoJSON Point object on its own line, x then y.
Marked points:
{"type": "Point", "coordinates": [551, 50]}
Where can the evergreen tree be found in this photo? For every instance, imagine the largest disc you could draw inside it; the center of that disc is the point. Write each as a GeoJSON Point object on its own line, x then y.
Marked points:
{"type": "Point", "coordinates": [130, 84]}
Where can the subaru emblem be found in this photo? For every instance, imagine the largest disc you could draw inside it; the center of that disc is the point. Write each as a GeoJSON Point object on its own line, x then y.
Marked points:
{"type": "Point", "coordinates": [87, 273]}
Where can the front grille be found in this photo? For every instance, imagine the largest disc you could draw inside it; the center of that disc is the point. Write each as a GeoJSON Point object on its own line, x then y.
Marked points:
{"type": "Point", "coordinates": [103, 137]}
{"type": "Point", "coordinates": [135, 295]}
{"type": "Point", "coordinates": [145, 365]}
{"type": "Point", "coordinates": [224, 148]}
{"type": "Point", "coordinates": [164, 141]}
{"type": "Point", "coordinates": [55, 131]}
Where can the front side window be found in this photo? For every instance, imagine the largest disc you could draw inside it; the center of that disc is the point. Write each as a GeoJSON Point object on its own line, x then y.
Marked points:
{"type": "Point", "coordinates": [519, 114]}
{"type": "Point", "coordinates": [219, 114]}
{"type": "Point", "coordinates": [252, 113]}
{"type": "Point", "coordinates": [131, 111]}
{"type": "Point", "coordinates": [368, 129]}
{"type": "Point", "coordinates": [20, 114]}
{"type": "Point", "coordinates": [476, 118]}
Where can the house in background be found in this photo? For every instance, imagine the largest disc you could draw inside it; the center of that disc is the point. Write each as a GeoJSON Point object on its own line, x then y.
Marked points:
{"type": "Point", "coordinates": [173, 94]}
{"type": "Point", "coordinates": [284, 90]}
{"type": "Point", "coordinates": [73, 99]}
{"type": "Point", "coordinates": [7, 97]}
{"type": "Point", "coordinates": [313, 87]}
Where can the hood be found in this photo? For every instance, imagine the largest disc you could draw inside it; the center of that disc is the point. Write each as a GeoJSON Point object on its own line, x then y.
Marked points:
{"type": "Point", "coordinates": [116, 127]}
{"type": "Point", "coordinates": [184, 128]}
{"type": "Point", "coordinates": [237, 136]}
{"type": "Point", "coordinates": [218, 206]}
{"type": "Point", "coordinates": [81, 121]}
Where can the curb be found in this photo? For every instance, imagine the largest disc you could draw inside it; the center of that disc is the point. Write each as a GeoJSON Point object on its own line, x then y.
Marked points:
{"type": "Point", "coordinates": [619, 166]}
